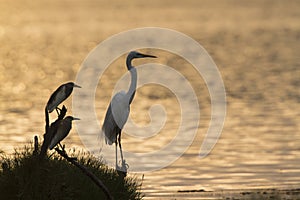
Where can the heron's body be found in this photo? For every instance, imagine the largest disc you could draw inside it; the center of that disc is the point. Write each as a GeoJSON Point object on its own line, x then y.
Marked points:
{"type": "Point", "coordinates": [119, 107]}
{"type": "Point", "coordinates": [59, 95]}
{"type": "Point", "coordinates": [62, 129]}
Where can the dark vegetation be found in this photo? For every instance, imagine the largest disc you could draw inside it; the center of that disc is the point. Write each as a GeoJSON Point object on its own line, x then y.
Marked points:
{"type": "Point", "coordinates": [25, 176]}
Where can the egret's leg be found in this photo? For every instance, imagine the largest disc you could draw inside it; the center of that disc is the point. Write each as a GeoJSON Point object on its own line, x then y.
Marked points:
{"type": "Point", "coordinates": [121, 151]}
{"type": "Point", "coordinates": [116, 153]}
{"type": "Point", "coordinates": [124, 166]}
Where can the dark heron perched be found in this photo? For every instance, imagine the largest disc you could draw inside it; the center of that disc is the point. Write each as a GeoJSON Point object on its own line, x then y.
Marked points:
{"type": "Point", "coordinates": [59, 95]}
{"type": "Point", "coordinates": [119, 107]}
{"type": "Point", "coordinates": [62, 129]}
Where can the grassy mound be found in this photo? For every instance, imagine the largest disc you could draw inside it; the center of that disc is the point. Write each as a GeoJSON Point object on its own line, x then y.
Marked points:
{"type": "Point", "coordinates": [25, 176]}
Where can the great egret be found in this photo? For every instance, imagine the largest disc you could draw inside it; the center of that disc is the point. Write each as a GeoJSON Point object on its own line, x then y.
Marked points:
{"type": "Point", "coordinates": [119, 107]}
{"type": "Point", "coordinates": [59, 95]}
{"type": "Point", "coordinates": [62, 129]}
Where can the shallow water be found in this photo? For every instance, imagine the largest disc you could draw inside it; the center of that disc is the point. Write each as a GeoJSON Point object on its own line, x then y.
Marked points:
{"type": "Point", "coordinates": [44, 46]}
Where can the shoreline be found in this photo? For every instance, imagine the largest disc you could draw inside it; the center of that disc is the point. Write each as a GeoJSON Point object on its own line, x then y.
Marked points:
{"type": "Point", "coordinates": [259, 193]}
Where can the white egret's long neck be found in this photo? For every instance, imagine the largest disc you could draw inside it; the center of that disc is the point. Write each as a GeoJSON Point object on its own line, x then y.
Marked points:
{"type": "Point", "coordinates": [128, 62]}
{"type": "Point", "coordinates": [132, 87]}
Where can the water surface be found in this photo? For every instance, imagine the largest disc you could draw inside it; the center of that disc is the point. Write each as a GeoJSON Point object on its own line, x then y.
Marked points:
{"type": "Point", "coordinates": [255, 47]}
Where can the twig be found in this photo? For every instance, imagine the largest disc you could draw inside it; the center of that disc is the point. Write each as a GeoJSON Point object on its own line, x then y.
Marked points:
{"type": "Point", "coordinates": [36, 145]}
{"type": "Point", "coordinates": [98, 182]}
{"type": "Point", "coordinates": [50, 130]}
{"type": "Point", "coordinates": [46, 135]}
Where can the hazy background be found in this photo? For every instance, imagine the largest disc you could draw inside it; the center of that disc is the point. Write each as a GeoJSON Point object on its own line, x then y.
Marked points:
{"type": "Point", "coordinates": [255, 45]}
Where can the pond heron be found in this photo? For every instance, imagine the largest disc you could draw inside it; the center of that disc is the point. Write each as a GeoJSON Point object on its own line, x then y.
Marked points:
{"type": "Point", "coordinates": [59, 95]}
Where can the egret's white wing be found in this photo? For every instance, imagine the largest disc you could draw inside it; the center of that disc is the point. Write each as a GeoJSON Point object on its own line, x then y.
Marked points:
{"type": "Point", "coordinates": [115, 118]}
{"type": "Point", "coordinates": [109, 128]}
{"type": "Point", "coordinates": [120, 109]}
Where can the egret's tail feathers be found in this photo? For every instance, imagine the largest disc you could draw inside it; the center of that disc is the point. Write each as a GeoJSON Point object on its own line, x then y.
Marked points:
{"type": "Point", "coordinates": [107, 141]}
{"type": "Point", "coordinates": [108, 135]}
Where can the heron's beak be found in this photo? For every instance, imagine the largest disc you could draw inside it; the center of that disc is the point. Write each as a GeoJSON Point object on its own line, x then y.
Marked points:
{"type": "Point", "coordinates": [146, 55]}
{"type": "Point", "coordinates": [77, 86]}
{"type": "Point", "coordinates": [74, 118]}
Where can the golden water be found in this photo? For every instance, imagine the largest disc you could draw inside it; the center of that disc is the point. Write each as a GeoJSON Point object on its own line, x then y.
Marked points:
{"type": "Point", "coordinates": [255, 46]}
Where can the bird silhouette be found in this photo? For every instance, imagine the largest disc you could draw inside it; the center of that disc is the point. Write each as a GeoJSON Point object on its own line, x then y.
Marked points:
{"type": "Point", "coordinates": [60, 130]}
{"type": "Point", "coordinates": [119, 107]}
{"type": "Point", "coordinates": [59, 95]}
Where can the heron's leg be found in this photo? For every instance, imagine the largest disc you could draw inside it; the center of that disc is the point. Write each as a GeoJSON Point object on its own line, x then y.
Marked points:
{"type": "Point", "coordinates": [58, 110]}
{"type": "Point", "coordinates": [61, 146]}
